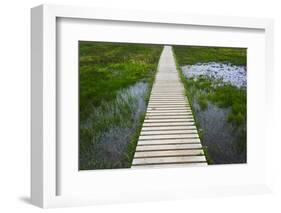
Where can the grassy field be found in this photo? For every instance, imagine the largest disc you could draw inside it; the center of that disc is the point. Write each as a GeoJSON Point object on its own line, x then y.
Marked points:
{"type": "Point", "coordinates": [192, 55]}
{"type": "Point", "coordinates": [205, 91]}
{"type": "Point", "coordinates": [115, 82]}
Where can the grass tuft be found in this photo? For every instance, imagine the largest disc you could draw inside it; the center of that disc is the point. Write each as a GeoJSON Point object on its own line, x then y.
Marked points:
{"type": "Point", "coordinates": [202, 101]}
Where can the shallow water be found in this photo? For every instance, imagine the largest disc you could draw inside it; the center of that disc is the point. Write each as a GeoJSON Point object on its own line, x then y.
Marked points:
{"type": "Point", "coordinates": [228, 73]}
{"type": "Point", "coordinates": [220, 136]}
{"type": "Point", "coordinates": [108, 145]}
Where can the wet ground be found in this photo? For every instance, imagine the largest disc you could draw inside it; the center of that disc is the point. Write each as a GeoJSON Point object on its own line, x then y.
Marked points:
{"type": "Point", "coordinates": [115, 124]}
{"type": "Point", "coordinates": [221, 137]}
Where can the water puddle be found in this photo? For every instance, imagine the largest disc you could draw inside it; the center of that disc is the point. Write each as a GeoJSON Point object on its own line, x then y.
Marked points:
{"type": "Point", "coordinates": [219, 135]}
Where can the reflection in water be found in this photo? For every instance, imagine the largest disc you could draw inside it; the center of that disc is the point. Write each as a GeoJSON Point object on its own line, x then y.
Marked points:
{"type": "Point", "coordinates": [224, 140]}
{"type": "Point", "coordinates": [113, 125]}
{"type": "Point", "coordinates": [219, 135]}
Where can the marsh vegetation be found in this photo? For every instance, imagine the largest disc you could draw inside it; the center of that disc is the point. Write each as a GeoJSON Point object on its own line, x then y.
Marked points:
{"type": "Point", "coordinates": [215, 82]}
{"type": "Point", "coordinates": [115, 82]}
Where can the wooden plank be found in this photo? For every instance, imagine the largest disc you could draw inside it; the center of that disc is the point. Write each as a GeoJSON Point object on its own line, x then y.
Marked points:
{"type": "Point", "coordinates": [169, 88]}
{"type": "Point", "coordinates": [169, 147]}
{"type": "Point", "coordinates": [159, 160]}
{"type": "Point", "coordinates": [167, 105]}
{"type": "Point", "coordinates": [166, 96]}
{"type": "Point", "coordinates": [159, 86]}
{"type": "Point", "coordinates": [169, 141]}
{"type": "Point", "coordinates": [171, 165]}
{"type": "Point", "coordinates": [165, 112]}
{"type": "Point", "coordinates": [160, 114]}
{"type": "Point", "coordinates": [169, 113]}
{"type": "Point", "coordinates": [168, 81]}
{"type": "Point", "coordinates": [167, 91]}
{"type": "Point", "coordinates": [176, 117]}
{"type": "Point", "coordinates": [175, 123]}
{"type": "Point", "coordinates": [157, 137]}
{"type": "Point", "coordinates": [164, 153]}
{"type": "Point", "coordinates": [167, 101]}
{"type": "Point", "coordinates": [180, 97]}
{"type": "Point", "coordinates": [169, 132]}
{"type": "Point", "coordinates": [168, 120]}
{"type": "Point", "coordinates": [168, 116]}
{"type": "Point", "coordinates": [165, 109]}
{"type": "Point", "coordinates": [170, 98]}
{"type": "Point", "coordinates": [156, 112]}
{"type": "Point", "coordinates": [173, 108]}
{"type": "Point", "coordinates": [166, 85]}
{"type": "Point", "coordinates": [167, 128]}
{"type": "Point", "coordinates": [170, 92]}
{"type": "Point", "coordinates": [169, 108]}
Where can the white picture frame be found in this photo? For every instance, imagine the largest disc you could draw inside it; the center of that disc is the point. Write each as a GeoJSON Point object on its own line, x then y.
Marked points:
{"type": "Point", "coordinates": [44, 155]}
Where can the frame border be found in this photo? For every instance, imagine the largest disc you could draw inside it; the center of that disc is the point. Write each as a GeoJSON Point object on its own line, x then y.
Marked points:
{"type": "Point", "coordinates": [43, 85]}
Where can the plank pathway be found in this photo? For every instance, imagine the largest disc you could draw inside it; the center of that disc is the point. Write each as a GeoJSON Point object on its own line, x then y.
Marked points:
{"type": "Point", "coordinates": [168, 136]}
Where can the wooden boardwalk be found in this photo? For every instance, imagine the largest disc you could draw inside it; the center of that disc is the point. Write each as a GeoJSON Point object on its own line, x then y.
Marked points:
{"type": "Point", "coordinates": [169, 136]}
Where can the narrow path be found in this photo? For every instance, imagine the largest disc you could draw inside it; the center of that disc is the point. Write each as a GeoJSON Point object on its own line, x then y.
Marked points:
{"type": "Point", "coordinates": [169, 135]}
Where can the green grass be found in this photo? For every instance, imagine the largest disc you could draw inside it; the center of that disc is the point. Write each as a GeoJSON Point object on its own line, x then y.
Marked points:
{"type": "Point", "coordinates": [204, 90]}
{"type": "Point", "coordinates": [202, 101]}
{"type": "Point", "coordinates": [106, 71]}
{"type": "Point", "coordinates": [192, 55]}
{"type": "Point", "coordinates": [224, 96]}
{"type": "Point", "coordinates": [105, 68]}
{"type": "Point", "coordinates": [233, 97]}
{"type": "Point", "coordinates": [207, 155]}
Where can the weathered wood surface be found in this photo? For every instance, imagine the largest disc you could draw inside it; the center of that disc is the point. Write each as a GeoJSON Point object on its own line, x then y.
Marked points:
{"type": "Point", "coordinates": [168, 147]}
{"type": "Point", "coordinates": [169, 136]}
{"type": "Point", "coordinates": [169, 141]}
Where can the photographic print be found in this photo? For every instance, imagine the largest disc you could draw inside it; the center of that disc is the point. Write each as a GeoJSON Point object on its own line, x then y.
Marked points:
{"type": "Point", "coordinates": [151, 105]}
